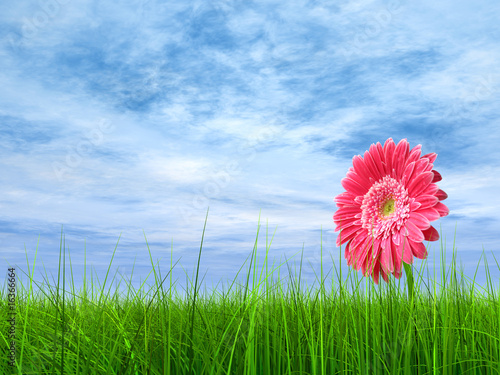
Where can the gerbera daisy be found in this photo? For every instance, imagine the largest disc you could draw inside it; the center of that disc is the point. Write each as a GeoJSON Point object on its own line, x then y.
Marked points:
{"type": "Point", "coordinates": [385, 213]}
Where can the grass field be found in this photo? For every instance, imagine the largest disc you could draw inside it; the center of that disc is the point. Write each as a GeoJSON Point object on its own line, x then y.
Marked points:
{"type": "Point", "coordinates": [257, 327]}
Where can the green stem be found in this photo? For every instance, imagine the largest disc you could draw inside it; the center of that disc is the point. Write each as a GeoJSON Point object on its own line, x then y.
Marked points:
{"type": "Point", "coordinates": [409, 279]}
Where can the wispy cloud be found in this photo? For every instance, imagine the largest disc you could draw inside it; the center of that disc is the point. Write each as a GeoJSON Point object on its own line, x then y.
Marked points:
{"type": "Point", "coordinates": [119, 118]}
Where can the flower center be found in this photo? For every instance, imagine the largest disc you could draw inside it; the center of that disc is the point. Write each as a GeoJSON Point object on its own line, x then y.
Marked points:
{"type": "Point", "coordinates": [389, 207]}
{"type": "Point", "coordinates": [385, 208]}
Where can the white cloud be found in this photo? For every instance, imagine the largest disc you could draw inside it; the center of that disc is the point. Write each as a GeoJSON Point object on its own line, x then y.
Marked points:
{"type": "Point", "coordinates": [186, 94]}
{"type": "Point", "coordinates": [177, 169]}
{"type": "Point", "coordinates": [473, 193]}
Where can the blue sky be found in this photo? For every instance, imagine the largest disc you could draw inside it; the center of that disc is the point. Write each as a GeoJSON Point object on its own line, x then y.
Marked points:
{"type": "Point", "coordinates": [131, 116]}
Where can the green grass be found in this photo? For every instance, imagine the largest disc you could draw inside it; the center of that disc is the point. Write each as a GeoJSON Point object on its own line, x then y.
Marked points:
{"type": "Point", "coordinates": [255, 328]}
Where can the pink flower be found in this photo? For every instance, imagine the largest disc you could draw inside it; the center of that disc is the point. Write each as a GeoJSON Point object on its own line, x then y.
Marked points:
{"type": "Point", "coordinates": [385, 213]}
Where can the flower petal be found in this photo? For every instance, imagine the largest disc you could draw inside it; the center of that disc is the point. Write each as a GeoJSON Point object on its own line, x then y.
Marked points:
{"type": "Point", "coordinates": [374, 172]}
{"type": "Point", "coordinates": [347, 253]}
{"type": "Point", "coordinates": [352, 186]}
{"type": "Point", "coordinates": [371, 256]}
{"type": "Point", "coordinates": [431, 156]}
{"type": "Point", "coordinates": [345, 232]}
{"type": "Point", "coordinates": [397, 258]}
{"type": "Point", "coordinates": [397, 275]}
{"type": "Point", "coordinates": [347, 235]}
{"type": "Point", "coordinates": [386, 257]}
{"type": "Point", "coordinates": [346, 213]}
{"type": "Point", "coordinates": [421, 166]}
{"type": "Point", "coordinates": [397, 238]}
{"type": "Point", "coordinates": [360, 237]}
{"type": "Point", "coordinates": [347, 223]}
{"type": "Point", "coordinates": [430, 213]}
{"type": "Point", "coordinates": [414, 205]}
{"type": "Point", "coordinates": [437, 176]}
{"type": "Point", "coordinates": [413, 232]}
{"type": "Point", "coordinates": [441, 195]}
{"type": "Point", "coordinates": [381, 157]}
{"type": "Point", "coordinates": [427, 201]}
{"type": "Point", "coordinates": [384, 275]}
{"type": "Point", "coordinates": [354, 261]}
{"type": "Point", "coordinates": [377, 161]}
{"type": "Point", "coordinates": [418, 249]}
{"type": "Point", "coordinates": [419, 184]}
{"type": "Point", "coordinates": [419, 220]}
{"type": "Point", "coordinates": [356, 252]}
{"type": "Point", "coordinates": [371, 261]}
{"type": "Point", "coordinates": [397, 263]}
{"type": "Point", "coordinates": [389, 147]}
{"type": "Point", "coordinates": [376, 273]}
{"type": "Point", "coordinates": [407, 174]}
{"type": "Point", "coordinates": [406, 252]}
{"type": "Point", "coordinates": [345, 200]}
{"type": "Point", "coordinates": [398, 158]}
{"type": "Point", "coordinates": [368, 245]}
{"type": "Point", "coordinates": [431, 234]}
{"type": "Point", "coordinates": [430, 190]}
{"type": "Point", "coordinates": [414, 154]}
{"type": "Point", "coordinates": [360, 167]}
{"type": "Point", "coordinates": [363, 182]}
{"type": "Point", "coordinates": [442, 209]}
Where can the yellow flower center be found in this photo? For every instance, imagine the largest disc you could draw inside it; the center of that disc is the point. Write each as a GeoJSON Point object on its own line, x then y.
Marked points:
{"type": "Point", "coordinates": [389, 207]}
